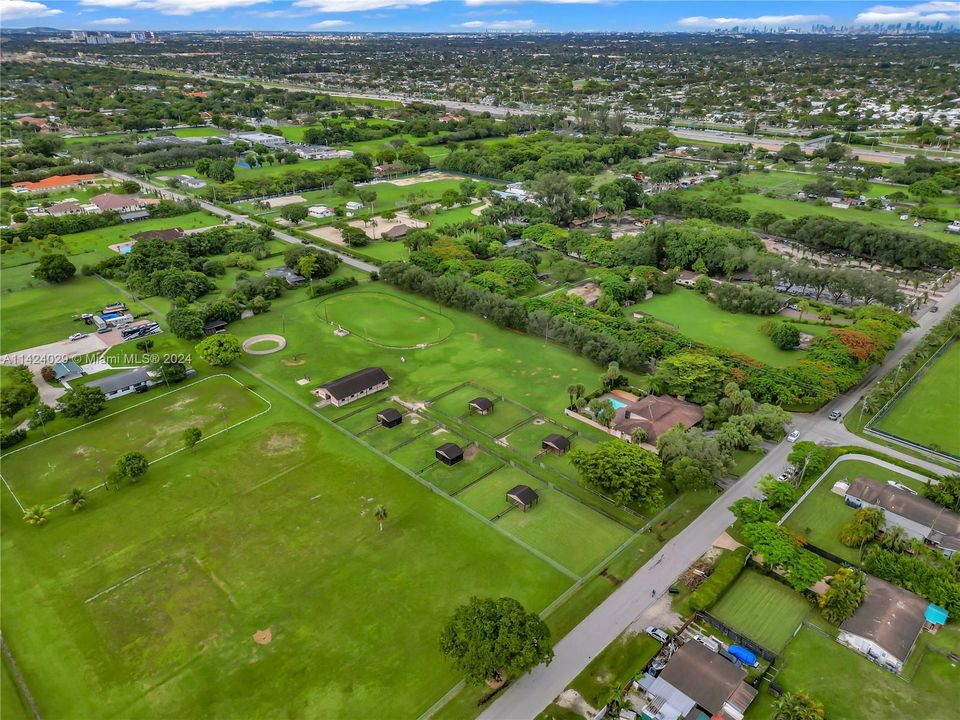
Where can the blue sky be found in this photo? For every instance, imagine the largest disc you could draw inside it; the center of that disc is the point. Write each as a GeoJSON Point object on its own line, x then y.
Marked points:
{"type": "Point", "coordinates": [463, 15]}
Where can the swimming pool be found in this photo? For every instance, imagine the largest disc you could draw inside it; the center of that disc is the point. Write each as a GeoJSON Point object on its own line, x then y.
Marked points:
{"type": "Point", "coordinates": [617, 404]}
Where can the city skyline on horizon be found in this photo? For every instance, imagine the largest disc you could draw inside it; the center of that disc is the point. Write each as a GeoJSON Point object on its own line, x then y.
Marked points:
{"type": "Point", "coordinates": [470, 16]}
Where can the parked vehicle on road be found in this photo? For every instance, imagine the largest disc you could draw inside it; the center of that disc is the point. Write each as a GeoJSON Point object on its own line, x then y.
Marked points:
{"type": "Point", "coordinates": [794, 436]}
{"type": "Point", "coordinates": [657, 634]}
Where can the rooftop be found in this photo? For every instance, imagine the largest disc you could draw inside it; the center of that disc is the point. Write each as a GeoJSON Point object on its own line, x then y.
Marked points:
{"type": "Point", "coordinates": [355, 382]}
{"type": "Point", "coordinates": [889, 616]}
{"type": "Point", "coordinates": [941, 521]}
{"type": "Point", "coordinates": [704, 676]}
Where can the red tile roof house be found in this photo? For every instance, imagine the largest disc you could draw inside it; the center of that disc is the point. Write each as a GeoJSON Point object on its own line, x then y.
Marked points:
{"type": "Point", "coordinates": [120, 203]}
{"type": "Point", "coordinates": [655, 414]}
{"type": "Point", "coordinates": [54, 182]}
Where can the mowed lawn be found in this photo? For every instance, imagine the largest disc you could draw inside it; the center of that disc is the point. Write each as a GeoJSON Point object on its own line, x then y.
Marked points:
{"type": "Point", "coordinates": [853, 688]}
{"type": "Point", "coordinates": [761, 608]}
{"type": "Point", "coordinates": [573, 534]}
{"type": "Point", "coordinates": [145, 604]}
{"type": "Point", "coordinates": [701, 320]}
{"type": "Point", "coordinates": [46, 471]}
{"type": "Point", "coordinates": [385, 319]}
{"type": "Point", "coordinates": [821, 515]}
{"type": "Point", "coordinates": [45, 313]}
{"type": "Point", "coordinates": [928, 412]}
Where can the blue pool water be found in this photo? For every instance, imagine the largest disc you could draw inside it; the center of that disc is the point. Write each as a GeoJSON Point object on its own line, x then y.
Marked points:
{"type": "Point", "coordinates": [617, 404]}
{"type": "Point", "coordinates": [125, 249]}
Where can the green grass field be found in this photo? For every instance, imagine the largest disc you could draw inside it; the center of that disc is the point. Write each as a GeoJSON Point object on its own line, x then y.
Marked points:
{"type": "Point", "coordinates": [489, 496]}
{"type": "Point", "coordinates": [821, 515]}
{"type": "Point", "coordinates": [150, 597]}
{"type": "Point", "coordinates": [385, 319]}
{"type": "Point", "coordinates": [763, 609]}
{"type": "Point", "coordinates": [45, 472]}
{"type": "Point", "coordinates": [88, 248]}
{"type": "Point", "coordinates": [853, 688]}
{"type": "Point", "coordinates": [45, 313]}
{"type": "Point", "coordinates": [567, 530]}
{"type": "Point", "coordinates": [701, 320]}
{"type": "Point", "coordinates": [927, 413]}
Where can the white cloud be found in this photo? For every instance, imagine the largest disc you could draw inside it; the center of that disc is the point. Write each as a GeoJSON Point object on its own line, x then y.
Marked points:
{"type": "Point", "coordinates": [500, 25]}
{"type": "Point", "coordinates": [174, 7]}
{"type": "Point", "coordinates": [329, 24]}
{"type": "Point", "coordinates": [111, 22]}
{"type": "Point", "coordinates": [344, 6]}
{"type": "Point", "coordinates": [18, 9]}
{"type": "Point", "coordinates": [774, 20]}
{"type": "Point", "coordinates": [928, 12]}
{"type": "Point", "coordinates": [546, 2]}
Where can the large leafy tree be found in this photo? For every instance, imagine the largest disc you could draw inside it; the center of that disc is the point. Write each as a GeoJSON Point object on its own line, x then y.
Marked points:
{"type": "Point", "coordinates": [783, 550]}
{"type": "Point", "coordinates": [54, 268]}
{"type": "Point", "coordinates": [491, 639]}
{"type": "Point", "coordinates": [84, 401]}
{"type": "Point", "coordinates": [697, 377]}
{"type": "Point", "coordinates": [848, 587]}
{"type": "Point", "coordinates": [221, 349]}
{"type": "Point", "coordinates": [627, 473]}
{"type": "Point", "coordinates": [556, 192]}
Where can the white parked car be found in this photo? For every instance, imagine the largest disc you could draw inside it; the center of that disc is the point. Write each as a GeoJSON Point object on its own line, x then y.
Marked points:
{"type": "Point", "coordinates": [835, 415]}
{"type": "Point", "coordinates": [78, 336]}
{"type": "Point", "coordinates": [657, 634]}
{"type": "Point", "coordinates": [794, 436]}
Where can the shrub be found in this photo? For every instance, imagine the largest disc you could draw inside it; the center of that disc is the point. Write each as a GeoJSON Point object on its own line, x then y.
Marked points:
{"type": "Point", "coordinates": [725, 572]}
{"type": "Point", "coordinates": [332, 286]}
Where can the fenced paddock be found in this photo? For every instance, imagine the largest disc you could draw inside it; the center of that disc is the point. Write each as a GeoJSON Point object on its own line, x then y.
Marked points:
{"type": "Point", "coordinates": [505, 414]}
{"type": "Point", "coordinates": [488, 496]}
{"type": "Point", "coordinates": [44, 472]}
{"type": "Point", "coordinates": [574, 534]}
{"type": "Point", "coordinates": [418, 456]}
{"type": "Point", "coordinates": [923, 414]}
{"type": "Point", "coordinates": [364, 424]}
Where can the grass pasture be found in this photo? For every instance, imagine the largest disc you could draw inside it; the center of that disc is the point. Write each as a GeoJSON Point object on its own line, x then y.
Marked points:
{"type": "Point", "coordinates": [488, 496]}
{"type": "Point", "coordinates": [46, 471]}
{"type": "Point", "coordinates": [701, 320]}
{"type": "Point", "coordinates": [150, 597]}
{"type": "Point", "coordinates": [418, 456]}
{"type": "Point", "coordinates": [384, 319]}
{"type": "Point", "coordinates": [763, 609]}
{"type": "Point", "coordinates": [575, 535]}
{"type": "Point", "coordinates": [927, 413]}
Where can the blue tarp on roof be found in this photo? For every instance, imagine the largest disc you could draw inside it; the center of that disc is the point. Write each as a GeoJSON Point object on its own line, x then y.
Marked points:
{"type": "Point", "coordinates": [743, 655]}
{"type": "Point", "coordinates": [935, 614]}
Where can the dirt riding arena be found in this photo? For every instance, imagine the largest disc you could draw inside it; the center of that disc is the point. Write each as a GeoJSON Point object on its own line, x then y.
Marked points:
{"type": "Point", "coordinates": [377, 226]}
{"type": "Point", "coordinates": [279, 343]}
{"type": "Point", "coordinates": [328, 233]}
{"type": "Point", "coordinates": [285, 200]}
{"type": "Point", "coordinates": [425, 177]}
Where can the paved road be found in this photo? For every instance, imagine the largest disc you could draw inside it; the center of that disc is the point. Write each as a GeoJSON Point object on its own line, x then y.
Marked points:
{"type": "Point", "coordinates": [868, 155]}
{"type": "Point", "coordinates": [529, 695]}
{"type": "Point", "coordinates": [238, 218]}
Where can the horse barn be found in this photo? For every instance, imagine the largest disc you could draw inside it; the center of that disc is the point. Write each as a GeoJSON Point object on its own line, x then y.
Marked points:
{"type": "Point", "coordinates": [449, 454]}
{"type": "Point", "coordinates": [389, 418]}
{"type": "Point", "coordinates": [555, 443]}
{"type": "Point", "coordinates": [481, 405]}
{"type": "Point", "coordinates": [523, 496]}
{"type": "Point", "coordinates": [354, 386]}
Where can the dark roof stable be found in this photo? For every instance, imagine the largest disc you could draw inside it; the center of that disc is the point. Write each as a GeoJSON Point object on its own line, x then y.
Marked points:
{"type": "Point", "coordinates": [356, 382]}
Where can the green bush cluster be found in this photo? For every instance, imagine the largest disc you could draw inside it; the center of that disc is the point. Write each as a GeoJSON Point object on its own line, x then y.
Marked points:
{"type": "Point", "coordinates": [725, 572]}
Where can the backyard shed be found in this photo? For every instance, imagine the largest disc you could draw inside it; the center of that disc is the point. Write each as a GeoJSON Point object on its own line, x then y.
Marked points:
{"type": "Point", "coordinates": [214, 327]}
{"type": "Point", "coordinates": [555, 443]}
{"type": "Point", "coordinates": [523, 496]}
{"type": "Point", "coordinates": [481, 405]}
{"type": "Point", "coordinates": [389, 418]}
{"type": "Point", "coordinates": [449, 453]}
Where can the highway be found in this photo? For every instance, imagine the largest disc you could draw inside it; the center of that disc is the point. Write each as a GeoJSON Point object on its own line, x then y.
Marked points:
{"type": "Point", "coordinates": [238, 218]}
{"type": "Point", "coordinates": [530, 694]}
{"type": "Point", "coordinates": [713, 136]}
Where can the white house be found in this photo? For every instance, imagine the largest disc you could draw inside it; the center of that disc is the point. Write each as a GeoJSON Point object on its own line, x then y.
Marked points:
{"type": "Point", "coordinates": [319, 211]}
{"type": "Point", "coordinates": [124, 383]}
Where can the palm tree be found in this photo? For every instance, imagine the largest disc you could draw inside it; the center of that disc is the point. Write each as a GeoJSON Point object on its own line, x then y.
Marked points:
{"type": "Point", "coordinates": [894, 539]}
{"type": "Point", "coordinates": [571, 392]}
{"type": "Point", "coordinates": [77, 498]}
{"type": "Point", "coordinates": [380, 513]}
{"type": "Point", "coordinates": [36, 515]}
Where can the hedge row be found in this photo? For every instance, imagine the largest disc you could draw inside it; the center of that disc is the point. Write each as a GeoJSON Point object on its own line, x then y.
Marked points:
{"type": "Point", "coordinates": [331, 286]}
{"type": "Point", "coordinates": [725, 572]}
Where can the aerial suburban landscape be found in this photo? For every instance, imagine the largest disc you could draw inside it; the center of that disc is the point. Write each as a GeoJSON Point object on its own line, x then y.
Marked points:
{"type": "Point", "coordinates": [500, 359]}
